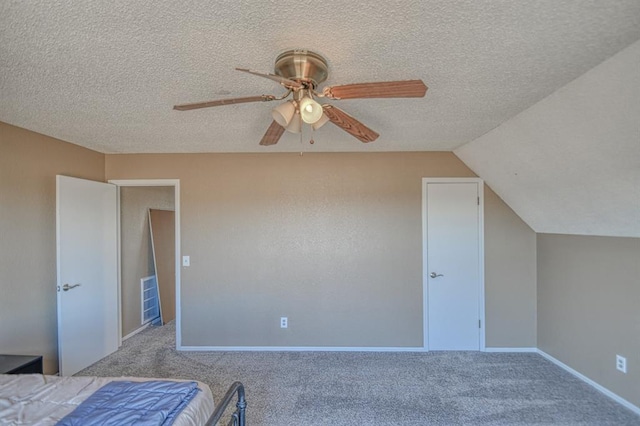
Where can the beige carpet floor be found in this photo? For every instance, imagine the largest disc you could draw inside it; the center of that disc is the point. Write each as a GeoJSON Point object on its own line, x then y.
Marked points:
{"type": "Point", "coordinates": [365, 388]}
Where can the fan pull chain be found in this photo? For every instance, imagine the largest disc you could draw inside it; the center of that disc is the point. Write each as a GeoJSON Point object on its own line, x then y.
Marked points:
{"type": "Point", "coordinates": [301, 140]}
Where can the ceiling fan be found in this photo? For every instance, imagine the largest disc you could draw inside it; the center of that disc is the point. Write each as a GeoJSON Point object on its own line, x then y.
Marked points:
{"type": "Point", "coordinates": [300, 72]}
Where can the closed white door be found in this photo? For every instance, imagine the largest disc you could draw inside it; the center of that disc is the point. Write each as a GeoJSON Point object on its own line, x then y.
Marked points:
{"type": "Point", "coordinates": [87, 284]}
{"type": "Point", "coordinates": [452, 265]}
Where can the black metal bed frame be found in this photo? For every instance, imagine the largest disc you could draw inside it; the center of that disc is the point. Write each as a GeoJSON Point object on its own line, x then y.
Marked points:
{"type": "Point", "coordinates": [238, 416]}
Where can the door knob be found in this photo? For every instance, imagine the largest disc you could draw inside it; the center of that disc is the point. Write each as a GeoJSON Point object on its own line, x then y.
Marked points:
{"type": "Point", "coordinates": [68, 287]}
{"type": "Point", "coordinates": [434, 275]}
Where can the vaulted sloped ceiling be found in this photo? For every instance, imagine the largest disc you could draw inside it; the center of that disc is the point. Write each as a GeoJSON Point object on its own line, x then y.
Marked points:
{"type": "Point", "coordinates": [571, 163]}
{"type": "Point", "coordinates": [105, 75]}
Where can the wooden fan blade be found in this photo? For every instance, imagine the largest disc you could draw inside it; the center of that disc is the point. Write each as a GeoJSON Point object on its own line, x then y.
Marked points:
{"type": "Point", "coordinates": [284, 81]}
{"type": "Point", "coordinates": [220, 102]}
{"type": "Point", "coordinates": [349, 124]}
{"type": "Point", "coordinates": [382, 89]}
{"type": "Point", "coordinates": [273, 134]}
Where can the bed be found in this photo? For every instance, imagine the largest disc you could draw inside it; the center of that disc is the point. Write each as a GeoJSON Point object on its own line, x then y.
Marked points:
{"type": "Point", "coordinates": [46, 400]}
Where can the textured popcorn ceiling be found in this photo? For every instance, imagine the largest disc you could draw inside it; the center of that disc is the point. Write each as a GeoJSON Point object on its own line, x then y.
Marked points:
{"type": "Point", "coordinates": [105, 74]}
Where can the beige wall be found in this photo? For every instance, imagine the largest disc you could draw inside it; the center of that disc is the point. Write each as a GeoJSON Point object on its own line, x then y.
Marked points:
{"type": "Point", "coordinates": [332, 241]}
{"type": "Point", "coordinates": [137, 256]}
{"type": "Point", "coordinates": [589, 307]}
{"type": "Point", "coordinates": [510, 276]}
{"type": "Point", "coordinates": [29, 163]}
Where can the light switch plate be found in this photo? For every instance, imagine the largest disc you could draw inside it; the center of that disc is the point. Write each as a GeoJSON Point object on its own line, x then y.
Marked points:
{"type": "Point", "coordinates": [186, 261]}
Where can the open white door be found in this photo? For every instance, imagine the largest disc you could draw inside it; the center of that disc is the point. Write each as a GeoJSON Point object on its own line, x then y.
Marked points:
{"type": "Point", "coordinates": [87, 287]}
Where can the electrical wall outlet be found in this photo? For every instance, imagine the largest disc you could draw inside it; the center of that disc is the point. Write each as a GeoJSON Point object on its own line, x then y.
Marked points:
{"type": "Point", "coordinates": [284, 322]}
{"type": "Point", "coordinates": [621, 363]}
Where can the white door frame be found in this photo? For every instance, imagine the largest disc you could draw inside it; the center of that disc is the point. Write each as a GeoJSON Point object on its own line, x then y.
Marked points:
{"type": "Point", "coordinates": [176, 194]}
{"type": "Point", "coordinates": [425, 281]}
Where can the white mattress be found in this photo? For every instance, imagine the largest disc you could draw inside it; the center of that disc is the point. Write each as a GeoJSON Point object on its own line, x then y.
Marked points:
{"type": "Point", "coordinates": [34, 399]}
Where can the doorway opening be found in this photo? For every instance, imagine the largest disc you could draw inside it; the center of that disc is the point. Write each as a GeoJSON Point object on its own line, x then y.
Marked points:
{"type": "Point", "coordinates": [139, 255]}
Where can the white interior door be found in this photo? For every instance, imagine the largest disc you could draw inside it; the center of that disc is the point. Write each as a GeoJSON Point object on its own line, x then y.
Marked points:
{"type": "Point", "coordinates": [452, 265]}
{"type": "Point", "coordinates": [87, 284]}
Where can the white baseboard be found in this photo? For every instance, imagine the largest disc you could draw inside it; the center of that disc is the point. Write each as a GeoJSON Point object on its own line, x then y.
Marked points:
{"type": "Point", "coordinates": [299, 349]}
{"type": "Point", "coordinates": [133, 333]}
{"type": "Point", "coordinates": [330, 349]}
{"type": "Point", "coordinates": [533, 350]}
{"type": "Point", "coordinates": [587, 380]}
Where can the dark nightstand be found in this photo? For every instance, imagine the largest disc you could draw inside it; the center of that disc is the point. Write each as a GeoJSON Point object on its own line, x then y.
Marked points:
{"type": "Point", "coordinates": [20, 364]}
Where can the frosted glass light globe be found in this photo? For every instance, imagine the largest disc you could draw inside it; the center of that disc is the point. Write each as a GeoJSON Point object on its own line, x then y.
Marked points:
{"type": "Point", "coordinates": [310, 110]}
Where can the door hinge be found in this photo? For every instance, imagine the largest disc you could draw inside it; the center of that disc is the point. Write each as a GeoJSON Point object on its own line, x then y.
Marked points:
{"type": "Point", "coordinates": [479, 323]}
{"type": "Point", "coordinates": [478, 200]}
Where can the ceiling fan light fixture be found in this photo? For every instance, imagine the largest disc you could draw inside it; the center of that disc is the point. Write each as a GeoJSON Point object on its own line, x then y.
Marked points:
{"type": "Point", "coordinates": [295, 125]}
{"type": "Point", "coordinates": [323, 120]}
{"type": "Point", "coordinates": [283, 113]}
{"type": "Point", "coordinates": [300, 71]}
{"type": "Point", "coordinates": [310, 110]}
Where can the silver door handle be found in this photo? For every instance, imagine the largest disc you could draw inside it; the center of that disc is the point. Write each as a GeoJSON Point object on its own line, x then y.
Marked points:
{"type": "Point", "coordinates": [434, 275]}
{"type": "Point", "coordinates": [68, 287]}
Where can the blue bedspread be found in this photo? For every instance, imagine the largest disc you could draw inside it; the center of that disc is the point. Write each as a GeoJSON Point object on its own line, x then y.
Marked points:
{"type": "Point", "coordinates": [133, 403]}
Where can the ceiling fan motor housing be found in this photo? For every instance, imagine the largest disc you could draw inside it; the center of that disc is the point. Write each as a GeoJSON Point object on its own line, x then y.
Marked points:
{"type": "Point", "coordinates": [302, 65]}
